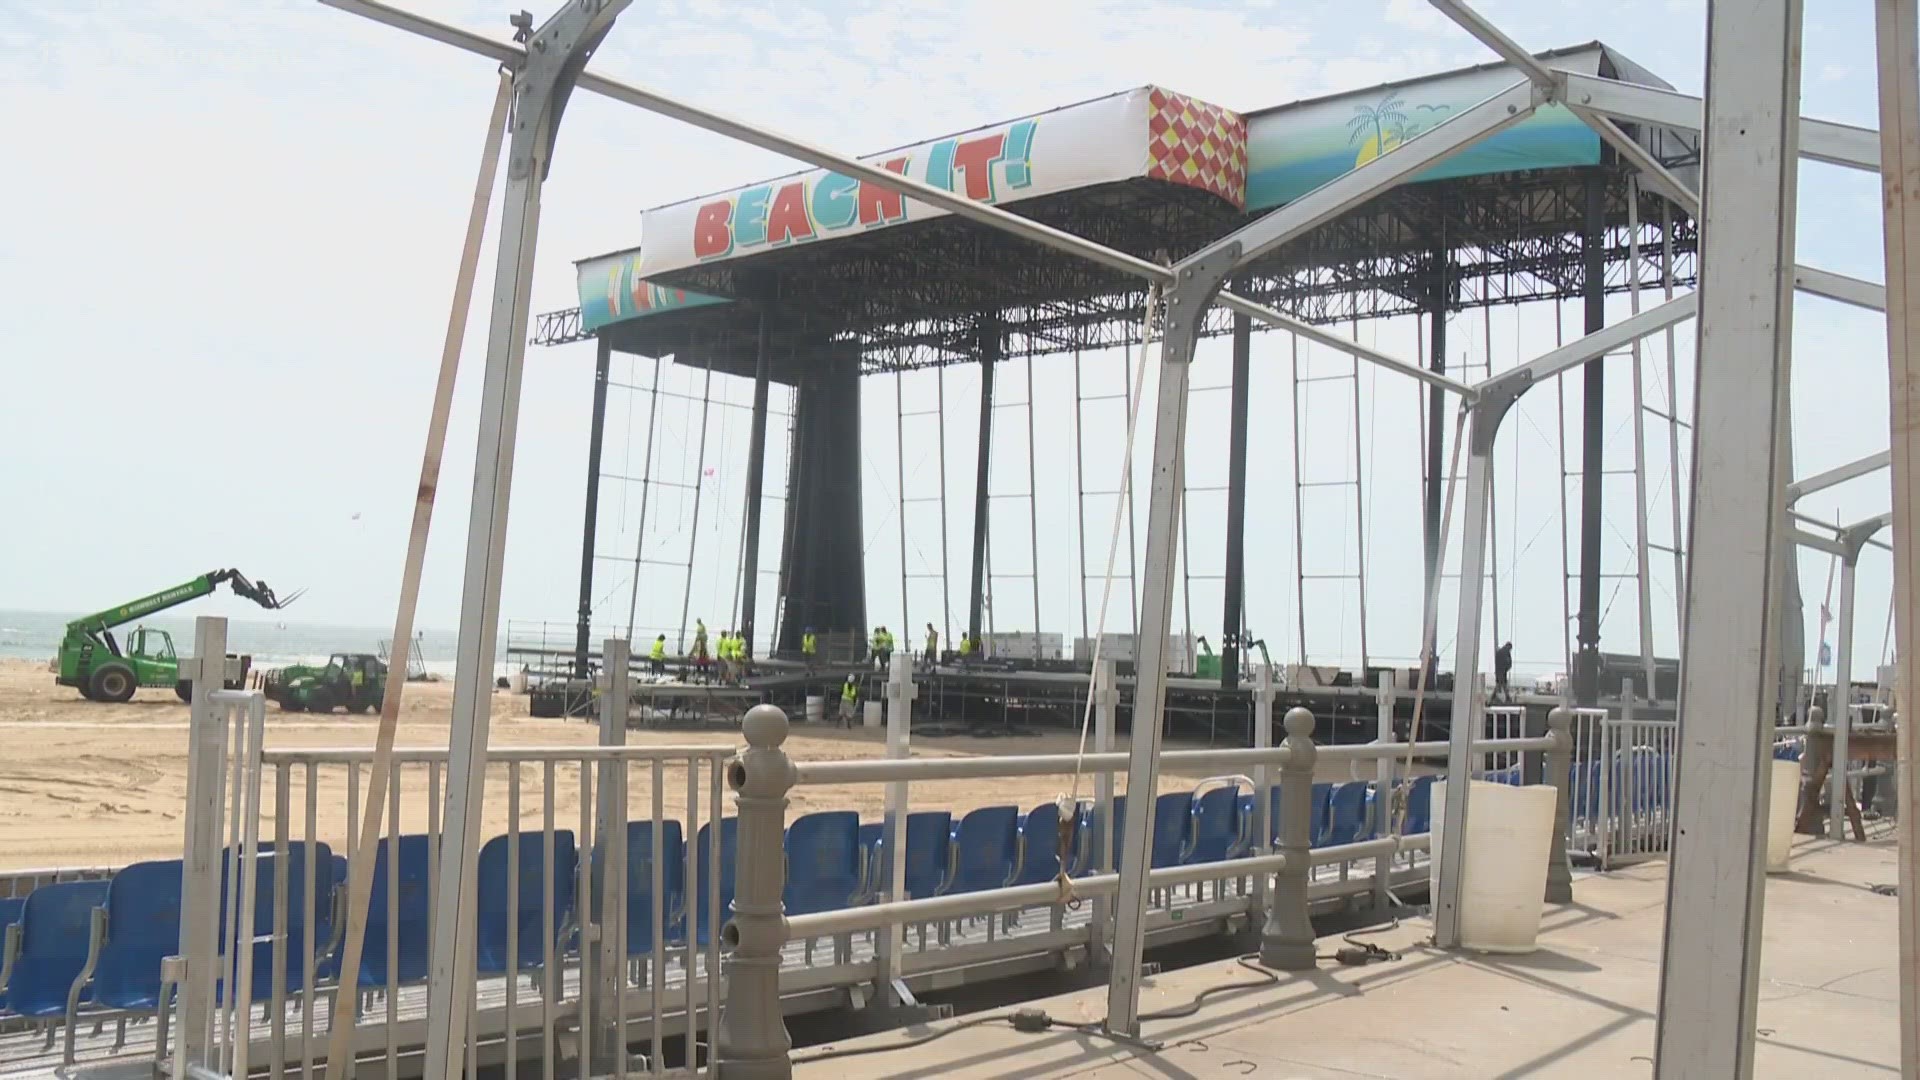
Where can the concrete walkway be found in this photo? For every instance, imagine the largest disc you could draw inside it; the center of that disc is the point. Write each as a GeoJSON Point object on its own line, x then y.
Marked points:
{"type": "Point", "coordinates": [1581, 1006]}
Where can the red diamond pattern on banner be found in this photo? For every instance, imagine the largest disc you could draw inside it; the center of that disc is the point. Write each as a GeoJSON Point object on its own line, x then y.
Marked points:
{"type": "Point", "coordinates": [1200, 145]}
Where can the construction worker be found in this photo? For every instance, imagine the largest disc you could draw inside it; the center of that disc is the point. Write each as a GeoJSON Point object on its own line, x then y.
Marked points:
{"type": "Point", "coordinates": [809, 648]}
{"type": "Point", "coordinates": [966, 648]}
{"type": "Point", "coordinates": [933, 646]}
{"type": "Point", "coordinates": [879, 647]}
{"type": "Point", "coordinates": [700, 656]}
{"type": "Point", "coordinates": [658, 654]}
{"type": "Point", "coordinates": [723, 655]}
{"type": "Point", "coordinates": [849, 699]}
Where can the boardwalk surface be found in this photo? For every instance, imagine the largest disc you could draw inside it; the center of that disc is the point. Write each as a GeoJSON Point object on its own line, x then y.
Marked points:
{"type": "Point", "coordinates": [1581, 1006]}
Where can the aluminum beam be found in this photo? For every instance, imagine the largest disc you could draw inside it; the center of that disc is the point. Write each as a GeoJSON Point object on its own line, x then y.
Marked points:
{"type": "Point", "coordinates": [1846, 290]}
{"type": "Point", "coordinates": [1610, 338]}
{"type": "Point", "coordinates": [1897, 36]}
{"type": "Point", "coordinates": [562, 43]}
{"type": "Point", "coordinates": [1820, 140]}
{"type": "Point", "coordinates": [1816, 542]}
{"type": "Point", "coordinates": [1729, 681]}
{"type": "Point", "coordinates": [1840, 474]}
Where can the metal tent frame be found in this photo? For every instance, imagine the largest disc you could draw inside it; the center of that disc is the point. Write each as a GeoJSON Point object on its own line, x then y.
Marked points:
{"type": "Point", "coordinates": [1751, 115]}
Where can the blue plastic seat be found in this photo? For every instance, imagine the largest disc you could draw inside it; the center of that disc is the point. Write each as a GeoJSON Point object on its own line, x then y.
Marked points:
{"type": "Point", "coordinates": [640, 898]}
{"type": "Point", "coordinates": [1419, 806]}
{"type": "Point", "coordinates": [55, 926]}
{"type": "Point", "coordinates": [870, 834]}
{"type": "Point", "coordinates": [825, 862]}
{"type": "Point", "coordinates": [1348, 821]}
{"type": "Point", "coordinates": [1216, 826]}
{"type": "Point", "coordinates": [1040, 845]}
{"type": "Point", "coordinates": [1322, 823]}
{"type": "Point", "coordinates": [10, 909]}
{"type": "Point", "coordinates": [495, 912]}
{"type": "Point", "coordinates": [1169, 841]}
{"type": "Point", "coordinates": [706, 883]}
{"type": "Point", "coordinates": [407, 874]}
{"type": "Point", "coordinates": [929, 853]}
{"type": "Point", "coordinates": [301, 946]}
{"type": "Point", "coordinates": [988, 844]}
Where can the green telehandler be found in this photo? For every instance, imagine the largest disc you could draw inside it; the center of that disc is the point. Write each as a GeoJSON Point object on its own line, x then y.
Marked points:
{"type": "Point", "coordinates": [354, 681]}
{"type": "Point", "coordinates": [92, 662]}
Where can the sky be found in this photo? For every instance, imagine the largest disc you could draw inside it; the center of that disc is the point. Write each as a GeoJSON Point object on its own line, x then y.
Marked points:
{"type": "Point", "coordinates": [236, 225]}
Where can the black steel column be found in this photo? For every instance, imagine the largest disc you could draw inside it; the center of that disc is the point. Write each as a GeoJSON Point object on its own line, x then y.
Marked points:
{"type": "Point", "coordinates": [756, 466]}
{"type": "Point", "coordinates": [989, 346]}
{"type": "Point", "coordinates": [1235, 576]}
{"type": "Point", "coordinates": [1586, 664]}
{"type": "Point", "coordinates": [1437, 438]}
{"type": "Point", "coordinates": [583, 628]}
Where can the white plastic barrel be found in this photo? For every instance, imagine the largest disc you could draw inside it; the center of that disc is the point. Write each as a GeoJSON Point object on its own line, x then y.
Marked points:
{"type": "Point", "coordinates": [816, 709]}
{"type": "Point", "coordinates": [873, 718]}
{"type": "Point", "coordinates": [517, 682]}
{"type": "Point", "coordinates": [1783, 800]}
{"type": "Point", "coordinates": [1509, 833]}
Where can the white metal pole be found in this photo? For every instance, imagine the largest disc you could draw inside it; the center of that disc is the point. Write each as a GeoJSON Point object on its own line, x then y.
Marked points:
{"type": "Point", "coordinates": [1641, 556]}
{"type": "Point", "coordinates": [1839, 714]}
{"type": "Point", "coordinates": [538, 98]}
{"type": "Point", "coordinates": [1729, 677]}
{"type": "Point", "coordinates": [1896, 27]}
{"type": "Point", "coordinates": [1467, 705]}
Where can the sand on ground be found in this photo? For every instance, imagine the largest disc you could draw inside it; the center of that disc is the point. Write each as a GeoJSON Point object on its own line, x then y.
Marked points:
{"type": "Point", "coordinates": [87, 784]}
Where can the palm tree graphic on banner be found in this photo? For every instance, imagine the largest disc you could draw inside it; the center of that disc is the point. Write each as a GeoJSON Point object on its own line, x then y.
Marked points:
{"type": "Point", "coordinates": [1382, 125]}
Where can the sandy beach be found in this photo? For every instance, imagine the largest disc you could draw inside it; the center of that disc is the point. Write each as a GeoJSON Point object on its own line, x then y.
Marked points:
{"type": "Point", "coordinates": [87, 784]}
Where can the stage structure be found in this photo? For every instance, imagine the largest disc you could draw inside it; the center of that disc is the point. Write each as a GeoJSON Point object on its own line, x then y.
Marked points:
{"type": "Point", "coordinates": [806, 283]}
{"type": "Point", "coordinates": [1753, 137]}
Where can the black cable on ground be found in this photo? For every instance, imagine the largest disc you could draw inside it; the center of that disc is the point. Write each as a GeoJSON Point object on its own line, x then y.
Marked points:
{"type": "Point", "coordinates": [1035, 1021]}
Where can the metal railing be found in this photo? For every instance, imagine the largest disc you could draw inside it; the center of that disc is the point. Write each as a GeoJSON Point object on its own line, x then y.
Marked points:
{"type": "Point", "coordinates": [764, 776]}
{"type": "Point", "coordinates": [557, 975]}
{"type": "Point", "coordinates": [1621, 786]}
{"type": "Point", "coordinates": [599, 957]}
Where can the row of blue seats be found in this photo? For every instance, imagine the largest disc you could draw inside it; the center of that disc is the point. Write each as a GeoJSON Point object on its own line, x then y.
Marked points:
{"type": "Point", "coordinates": [101, 942]}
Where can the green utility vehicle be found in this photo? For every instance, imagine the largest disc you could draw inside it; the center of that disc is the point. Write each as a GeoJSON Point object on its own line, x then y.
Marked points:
{"type": "Point", "coordinates": [354, 681]}
{"type": "Point", "coordinates": [92, 662]}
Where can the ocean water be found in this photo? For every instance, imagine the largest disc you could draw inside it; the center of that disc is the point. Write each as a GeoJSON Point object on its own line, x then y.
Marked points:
{"type": "Point", "coordinates": [35, 636]}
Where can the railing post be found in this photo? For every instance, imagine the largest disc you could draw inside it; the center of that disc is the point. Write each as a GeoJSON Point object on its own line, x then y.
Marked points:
{"type": "Point", "coordinates": [752, 1043]}
{"type": "Point", "coordinates": [890, 944]}
{"type": "Point", "coordinates": [611, 832]}
{"type": "Point", "coordinates": [1559, 768]}
{"type": "Point", "coordinates": [1286, 943]}
{"type": "Point", "coordinates": [200, 900]}
{"type": "Point", "coordinates": [1106, 697]}
{"type": "Point", "coordinates": [1385, 793]}
{"type": "Point", "coordinates": [1262, 827]}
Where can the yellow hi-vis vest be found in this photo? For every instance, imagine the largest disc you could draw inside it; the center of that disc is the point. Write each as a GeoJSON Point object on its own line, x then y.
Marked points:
{"type": "Point", "coordinates": [659, 651]}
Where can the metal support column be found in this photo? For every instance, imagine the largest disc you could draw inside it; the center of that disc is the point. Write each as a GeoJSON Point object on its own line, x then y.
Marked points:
{"type": "Point", "coordinates": [940, 431]}
{"type": "Point", "coordinates": [900, 498]}
{"type": "Point", "coordinates": [699, 487]}
{"type": "Point", "coordinates": [989, 346]}
{"type": "Point", "coordinates": [1436, 443]}
{"type": "Point", "coordinates": [1728, 682]}
{"type": "Point", "coordinates": [1673, 433]}
{"type": "Point", "coordinates": [1485, 415]}
{"type": "Point", "coordinates": [1231, 616]}
{"type": "Point", "coordinates": [596, 431]}
{"type": "Point", "coordinates": [1199, 281]}
{"type": "Point", "coordinates": [1896, 31]}
{"type": "Point", "coordinates": [646, 489]}
{"type": "Point", "coordinates": [1642, 557]}
{"type": "Point", "coordinates": [1033, 513]}
{"type": "Point", "coordinates": [756, 468]}
{"type": "Point", "coordinates": [1593, 246]}
{"type": "Point", "coordinates": [1837, 706]}
{"type": "Point", "coordinates": [558, 50]}
{"type": "Point", "coordinates": [1080, 488]}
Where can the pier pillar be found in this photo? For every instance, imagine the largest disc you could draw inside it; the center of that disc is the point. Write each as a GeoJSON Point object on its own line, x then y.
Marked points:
{"type": "Point", "coordinates": [1286, 943]}
{"type": "Point", "coordinates": [752, 1043]}
{"type": "Point", "coordinates": [1559, 768]}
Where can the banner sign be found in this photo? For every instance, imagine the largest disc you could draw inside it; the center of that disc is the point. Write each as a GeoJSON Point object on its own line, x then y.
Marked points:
{"type": "Point", "coordinates": [1295, 148]}
{"type": "Point", "coordinates": [1145, 132]}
